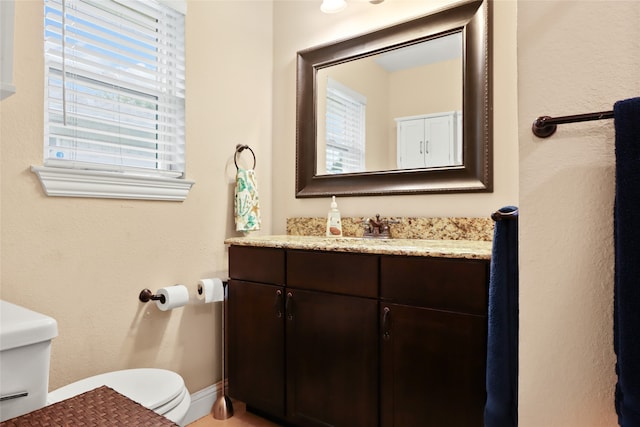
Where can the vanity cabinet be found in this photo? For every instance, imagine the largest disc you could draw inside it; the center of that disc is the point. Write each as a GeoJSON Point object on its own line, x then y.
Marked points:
{"type": "Point", "coordinates": [429, 140]}
{"type": "Point", "coordinates": [255, 328]}
{"type": "Point", "coordinates": [332, 339]}
{"type": "Point", "coordinates": [321, 338]}
{"type": "Point", "coordinates": [331, 360]}
{"type": "Point", "coordinates": [433, 341]}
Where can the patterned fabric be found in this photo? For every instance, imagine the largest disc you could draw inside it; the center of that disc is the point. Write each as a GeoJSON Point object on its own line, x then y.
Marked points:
{"type": "Point", "coordinates": [102, 406]}
{"type": "Point", "coordinates": [246, 207]}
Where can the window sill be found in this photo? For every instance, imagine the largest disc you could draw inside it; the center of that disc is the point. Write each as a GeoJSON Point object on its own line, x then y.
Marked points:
{"type": "Point", "coordinates": [64, 182]}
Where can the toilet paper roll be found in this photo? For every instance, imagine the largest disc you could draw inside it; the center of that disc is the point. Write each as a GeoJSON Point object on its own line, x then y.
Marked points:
{"type": "Point", "coordinates": [210, 290]}
{"type": "Point", "coordinates": [174, 297]}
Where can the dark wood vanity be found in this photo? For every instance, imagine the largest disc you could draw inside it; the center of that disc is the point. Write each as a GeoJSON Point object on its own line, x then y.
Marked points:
{"type": "Point", "coordinates": [327, 338]}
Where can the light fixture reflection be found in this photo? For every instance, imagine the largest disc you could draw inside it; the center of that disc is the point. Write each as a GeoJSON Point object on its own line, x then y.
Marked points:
{"type": "Point", "coordinates": [333, 6]}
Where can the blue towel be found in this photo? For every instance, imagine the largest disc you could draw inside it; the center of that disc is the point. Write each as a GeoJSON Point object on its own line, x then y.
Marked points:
{"type": "Point", "coordinates": [501, 408]}
{"type": "Point", "coordinates": [626, 323]}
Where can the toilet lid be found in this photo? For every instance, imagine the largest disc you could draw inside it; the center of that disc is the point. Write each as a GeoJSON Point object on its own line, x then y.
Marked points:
{"type": "Point", "coordinates": [152, 388]}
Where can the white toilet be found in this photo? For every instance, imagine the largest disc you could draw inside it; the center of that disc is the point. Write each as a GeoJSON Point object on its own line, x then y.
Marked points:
{"type": "Point", "coordinates": [25, 347]}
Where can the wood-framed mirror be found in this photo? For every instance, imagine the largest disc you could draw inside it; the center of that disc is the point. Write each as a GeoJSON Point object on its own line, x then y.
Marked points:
{"type": "Point", "coordinates": [404, 163]}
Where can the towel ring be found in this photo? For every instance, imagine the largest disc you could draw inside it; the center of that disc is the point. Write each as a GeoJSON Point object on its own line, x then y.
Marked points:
{"type": "Point", "coordinates": [239, 149]}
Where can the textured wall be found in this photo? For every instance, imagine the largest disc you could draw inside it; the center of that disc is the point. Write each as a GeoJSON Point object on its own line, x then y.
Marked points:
{"type": "Point", "coordinates": [573, 57]}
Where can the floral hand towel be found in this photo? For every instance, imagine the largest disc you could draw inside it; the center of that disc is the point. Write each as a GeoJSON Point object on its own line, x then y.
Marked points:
{"type": "Point", "coordinates": [246, 206]}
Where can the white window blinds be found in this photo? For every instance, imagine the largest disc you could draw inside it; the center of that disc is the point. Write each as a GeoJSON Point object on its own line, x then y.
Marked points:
{"type": "Point", "coordinates": [115, 86]}
{"type": "Point", "coordinates": [345, 133]}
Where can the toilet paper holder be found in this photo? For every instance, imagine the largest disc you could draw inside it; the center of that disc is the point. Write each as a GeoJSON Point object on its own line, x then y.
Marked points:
{"type": "Point", "coordinates": [146, 295]}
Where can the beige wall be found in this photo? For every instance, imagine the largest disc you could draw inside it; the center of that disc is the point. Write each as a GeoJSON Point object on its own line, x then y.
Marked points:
{"type": "Point", "coordinates": [84, 261]}
{"type": "Point", "coordinates": [573, 57]}
{"type": "Point", "coordinates": [442, 91]}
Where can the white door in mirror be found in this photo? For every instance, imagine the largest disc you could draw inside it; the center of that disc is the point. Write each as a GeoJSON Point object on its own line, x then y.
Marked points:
{"type": "Point", "coordinates": [430, 140]}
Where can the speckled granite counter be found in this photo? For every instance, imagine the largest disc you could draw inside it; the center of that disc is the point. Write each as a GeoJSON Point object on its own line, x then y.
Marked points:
{"type": "Point", "coordinates": [469, 249]}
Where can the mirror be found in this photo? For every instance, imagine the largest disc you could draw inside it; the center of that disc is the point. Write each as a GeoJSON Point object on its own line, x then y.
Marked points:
{"type": "Point", "coordinates": [371, 113]}
{"type": "Point", "coordinates": [402, 110]}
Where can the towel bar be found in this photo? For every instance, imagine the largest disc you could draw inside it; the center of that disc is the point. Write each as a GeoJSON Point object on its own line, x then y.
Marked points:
{"type": "Point", "coordinates": [545, 126]}
{"type": "Point", "coordinates": [499, 216]}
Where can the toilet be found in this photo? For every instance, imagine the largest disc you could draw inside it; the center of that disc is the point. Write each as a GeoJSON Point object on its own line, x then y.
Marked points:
{"type": "Point", "coordinates": [160, 390]}
{"type": "Point", "coordinates": [25, 348]}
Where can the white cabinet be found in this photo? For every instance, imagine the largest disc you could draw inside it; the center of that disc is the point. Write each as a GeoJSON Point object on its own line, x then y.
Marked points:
{"type": "Point", "coordinates": [429, 140]}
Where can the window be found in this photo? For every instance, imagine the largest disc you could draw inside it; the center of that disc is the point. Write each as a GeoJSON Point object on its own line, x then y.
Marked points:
{"type": "Point", "coordinates": [6, 49]}
{"type": "Point", "coordinates": [115, 98]}
{"type": "Point", "coordinates": [345, 120]}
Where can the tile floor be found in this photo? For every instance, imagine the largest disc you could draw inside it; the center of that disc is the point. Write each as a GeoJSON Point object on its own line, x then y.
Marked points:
{"type": "Point", "coordinates": [240, 418]}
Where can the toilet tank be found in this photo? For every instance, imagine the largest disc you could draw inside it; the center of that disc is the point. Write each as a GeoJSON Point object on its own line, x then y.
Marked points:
{"type": "Point", "coordinates": [25, 347]}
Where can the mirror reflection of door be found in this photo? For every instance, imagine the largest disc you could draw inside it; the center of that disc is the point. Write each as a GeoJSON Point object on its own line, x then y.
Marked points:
{"type": "Point", "coordinates": [420, 80]}
{"type": "Point", "coordinates": [430, 140]}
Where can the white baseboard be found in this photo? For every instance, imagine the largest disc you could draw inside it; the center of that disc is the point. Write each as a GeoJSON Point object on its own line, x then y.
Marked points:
{"type": "Point", "coordinates": [201, 402]}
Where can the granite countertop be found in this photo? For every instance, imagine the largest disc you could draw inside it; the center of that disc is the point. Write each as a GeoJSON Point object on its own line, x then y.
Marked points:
{"type": "Point", "coordinates": [468, 249]}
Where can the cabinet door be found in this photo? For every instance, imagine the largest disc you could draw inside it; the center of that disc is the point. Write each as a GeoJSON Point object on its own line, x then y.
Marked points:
{"type": "Point", "coordinates": [432, 365]}
{"type": "Point", "coordinates": [256, 345]}
{"type": "Point", "coordinates": [411, 144]}
{"type": "Point", "coordinates": [332, 359]}
{"type": "Point", "coordinates": [438, 144]}
{"type": "Point", "coordinates": [427, 141]}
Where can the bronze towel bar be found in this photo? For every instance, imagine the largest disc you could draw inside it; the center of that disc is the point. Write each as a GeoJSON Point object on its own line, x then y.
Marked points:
{"type": "Point", "coordinates": [545, 126]}
{"type": "Point", "coordinates": [499, 216]}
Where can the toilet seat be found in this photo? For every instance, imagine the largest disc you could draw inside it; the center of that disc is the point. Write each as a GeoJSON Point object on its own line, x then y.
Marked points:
{"type": "Point", "coordinates": [160, 390]}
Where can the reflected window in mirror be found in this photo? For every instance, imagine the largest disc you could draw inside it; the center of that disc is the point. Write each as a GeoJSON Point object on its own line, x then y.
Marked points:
{"type": "Point", "coordinates": [344, 126]}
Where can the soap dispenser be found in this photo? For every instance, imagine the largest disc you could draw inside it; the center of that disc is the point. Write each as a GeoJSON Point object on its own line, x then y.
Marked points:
{"type": "Point", "coordinates": [334, 223]}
